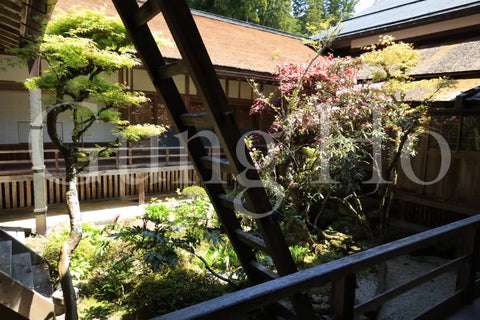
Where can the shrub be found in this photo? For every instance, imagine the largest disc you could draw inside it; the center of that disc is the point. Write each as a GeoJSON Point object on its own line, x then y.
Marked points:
{"type": "Point", "coordinates": [194, 192]}
{"type": "Point", "coordinates": [160, 294]}
{"type": "Point", "coordinates": [86, 256]}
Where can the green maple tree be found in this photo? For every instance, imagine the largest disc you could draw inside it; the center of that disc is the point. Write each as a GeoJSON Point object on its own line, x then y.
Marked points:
{"type": "Point", "coordinates": [80, 49]}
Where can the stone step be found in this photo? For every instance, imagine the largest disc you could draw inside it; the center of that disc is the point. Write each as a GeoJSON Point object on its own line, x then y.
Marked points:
{"type": "Point", "coordinates": [18, 247]}
{"type": "Point", "coordinates": [6, 257]}
{"type": "Point", "coordinates": [41, 280]}
{"type": "Point", "coordinates": [19, 235]}
{"type": "Point", "coordinates": [22, 269]}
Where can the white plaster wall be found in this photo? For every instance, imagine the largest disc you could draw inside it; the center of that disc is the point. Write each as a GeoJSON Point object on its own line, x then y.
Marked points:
{"type": "Point", "coordinates": [14, 108]}
{"type": "Point", "coordinates": [233, 88]}
{"type": "Point", "coordinates": [245, 90]}
{"type": "Point", "coordinates": [15, 119]}
{"type": "Point", "coordinates": [8, 73]}
{"type": "Point", "coordinates": [142, 82]}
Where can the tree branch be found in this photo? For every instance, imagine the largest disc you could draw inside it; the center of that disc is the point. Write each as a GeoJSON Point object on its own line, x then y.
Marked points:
{"type": "Point", "coordinates": [207, 266]}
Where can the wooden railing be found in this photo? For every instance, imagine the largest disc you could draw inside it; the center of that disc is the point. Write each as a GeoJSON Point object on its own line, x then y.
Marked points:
{"type": "Point", "coordinates": [464, 236]}
{"type": "Point", "coordinates": [17, 191]}
{"type": "Point", "coordinates": [122, 158]}
{"type": "Point", "coordinates": [128, 172]}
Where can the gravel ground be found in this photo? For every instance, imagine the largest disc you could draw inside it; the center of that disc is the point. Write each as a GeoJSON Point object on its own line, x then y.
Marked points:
{"type": "Point", "coordinates": [413, 302]}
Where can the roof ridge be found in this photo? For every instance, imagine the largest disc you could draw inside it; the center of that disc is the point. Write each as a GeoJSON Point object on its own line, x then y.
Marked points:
{"type": "Point", "coordinates": [245, 24]}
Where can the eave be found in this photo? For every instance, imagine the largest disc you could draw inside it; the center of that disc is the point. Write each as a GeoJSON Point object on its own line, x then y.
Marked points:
{"type": "Point", "coordinates": [21, 22]}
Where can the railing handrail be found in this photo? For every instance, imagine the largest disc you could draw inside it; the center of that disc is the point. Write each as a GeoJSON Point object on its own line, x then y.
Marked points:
{"type": "Point", "coordinates": [27, 151]}
{"type": "Point", "coordinates": [254, 297]}
{"type": "Point", "coordinates": [118, 155]}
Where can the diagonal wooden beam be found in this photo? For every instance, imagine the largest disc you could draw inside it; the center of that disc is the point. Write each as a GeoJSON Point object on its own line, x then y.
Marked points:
{"type": "Point", "coordinates": [11, 37]}
{"type": "Point", "coordinates": [7, 29]}
{"type": "Point", "coordinates": [11, 5]}
{"type": "Point", "coordinates": [8, 42]}
{"type": "Point", "coordinates": [9, 15]}
{"type": "Point", "coordinates": [147, 12]}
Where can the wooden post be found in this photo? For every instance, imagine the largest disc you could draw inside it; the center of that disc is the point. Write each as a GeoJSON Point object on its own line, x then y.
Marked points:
{"type": "Point", "coordinates": [343, 297]}
{"type": "Point", "coordinates": [21, 194]}
{"type": "Point", "coordinates": [57, 167]}
{"type": "Point", "coordinates": [36, 147]}
{"type": "Point", "coordinates": [466, 275]}
{"type": "Point", "coordinates": [117, 159]}
{"type": "Point", "coordinates": [167, 159]}
{"type": "Point", "coordinates": [121, 185]}
{"type": "Point", "coordinates": [141, 187]}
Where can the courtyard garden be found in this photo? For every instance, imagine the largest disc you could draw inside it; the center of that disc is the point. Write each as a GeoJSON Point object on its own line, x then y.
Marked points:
{"type": "Point", "coordinates": [341, 130]}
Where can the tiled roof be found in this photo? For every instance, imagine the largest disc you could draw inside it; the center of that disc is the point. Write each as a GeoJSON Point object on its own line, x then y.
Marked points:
{"type": "Point", "coordinates": [385, 14]}
{"type": "Point", "coordinates": [230, 43]}
{"type": "Point", "coordinates": [450, 58]}
{"type": "Point", "coordinates": [446, 94]}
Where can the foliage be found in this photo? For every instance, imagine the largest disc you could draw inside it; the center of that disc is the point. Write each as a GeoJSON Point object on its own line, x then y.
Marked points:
{"type": "Point", "coordinates": [118, 277]}
{"type": "Point", "coordinates": [159, 294]}
{"type": "Point", "coordinates": [312, 16]}
{"type": "Point", "coordinates": [82, 47]}
{"type": "Point", "coordinates": [194, 192]}
{"type": "Point", "coordinates": [299, 253]}
{"type": "Point", "coordinates": [307, 15]}
{"type": "Point", "coordinates": [326, 123]}
{"type": "Point", "coordinates": [187, 226]}
{"type": "Point", "coordinates": [86, 257]}
{"type": "Point", "coordinates": [138, 132]}
{"type": "Point", "coordinates": [271, 13]}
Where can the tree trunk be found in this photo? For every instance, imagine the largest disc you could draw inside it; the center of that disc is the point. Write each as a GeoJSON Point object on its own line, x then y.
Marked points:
{"type": "Point", "coordinates": [70, 244]}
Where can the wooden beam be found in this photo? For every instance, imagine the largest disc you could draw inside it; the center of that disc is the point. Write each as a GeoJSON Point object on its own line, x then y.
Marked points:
{"type": "Point", "coordinates": [11, 5]}
{"type": "Point", "coordinates": [343, 297]}
{"type": "Point", "coordinates": [8, 29]}
{"type": "Point", "coordinates": [9, 17]}
{"type": "Point", "coordinates": [147, 12]}
{"type": "Point", "coordinates": [8, 41]}
{"type": "Point", "coordinates": [263, 271]}
{"type": "Point", "coordinates": [171, 69]}
{"type": "Point", "coordinates": [409, 197]}
{"type": "Point", "coordinates": [12, 85]}
{"type": "Point", "coordinates": [5, 46]}
{"type": "Point", "coordinates": [24, 301]}
{"type": "Point", "coordinates": [39, 6]}
{"type": "Point", "coordinates": [251, 240]}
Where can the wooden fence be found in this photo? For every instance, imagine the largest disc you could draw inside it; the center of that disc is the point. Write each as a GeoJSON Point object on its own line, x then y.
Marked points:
{"type": "Point", "coordinates": [463, 235]}
{"type": "Point", "coordinates": [128, 172]}
{"type": "Point", "coordinates": [17, 191]}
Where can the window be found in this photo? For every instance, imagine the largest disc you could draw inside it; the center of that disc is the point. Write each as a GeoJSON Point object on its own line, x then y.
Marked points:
{"type": "Point", "coordinates": [470, 138]}
{"type": "Point", "coordinates": [447, 126]}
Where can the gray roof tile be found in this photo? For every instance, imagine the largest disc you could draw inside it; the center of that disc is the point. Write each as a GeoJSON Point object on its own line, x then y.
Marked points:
{"type": "Point", "coordinates": [387, 13]}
